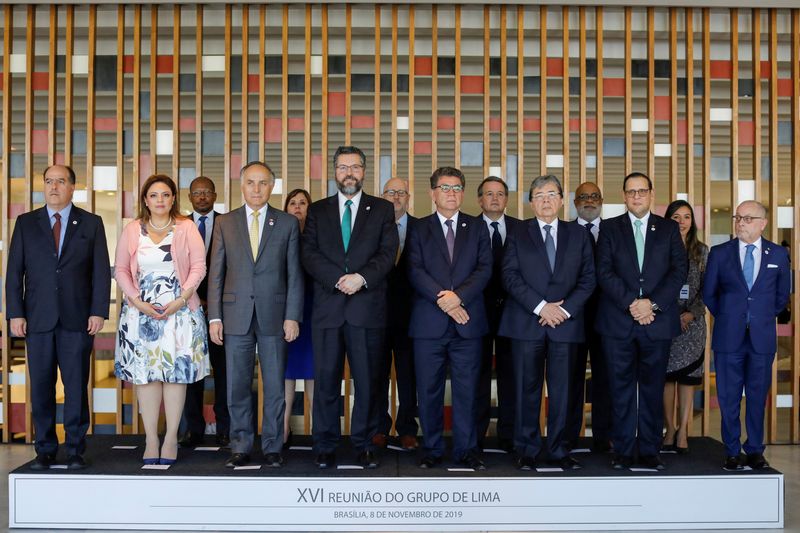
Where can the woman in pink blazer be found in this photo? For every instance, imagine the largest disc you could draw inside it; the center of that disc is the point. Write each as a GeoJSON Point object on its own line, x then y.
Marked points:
{"type": "Point", "coordinates": [162, 343]}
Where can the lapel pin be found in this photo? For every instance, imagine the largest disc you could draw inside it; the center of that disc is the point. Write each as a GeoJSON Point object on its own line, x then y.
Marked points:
{"type": "Point", "coordinates": [367, 208]}
{"type": "Point", "coordinates": [766, 252]}
{"type": "Point", "coordinates": [74, 222]}
{"type": "Point", "coordinates": [271, 222]}
{"type": "Point", "coordinates": [653, 227]}
{"type": "Point", "coordinates": [463, 224]}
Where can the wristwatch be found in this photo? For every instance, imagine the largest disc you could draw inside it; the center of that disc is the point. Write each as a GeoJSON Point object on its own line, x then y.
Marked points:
{"type": "Point", "coordinates": [654, 307]}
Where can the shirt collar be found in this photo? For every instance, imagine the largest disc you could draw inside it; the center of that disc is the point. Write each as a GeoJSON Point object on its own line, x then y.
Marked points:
{"type": "Point", "coordinates": [553, 224]}
{"type": "Point", "coordinates": [343, 199]}
{"type": "Point", "coordinates": [743, 245]}
{"type": "Point", "coordinates": [261, 212]}
{"type": "Point", "coordinates": [501, 221]}
{"type": "Point", "coordinates": [64, 212]}
{"type": "Point", "coordinates": [595, 223]}
{"type": "Point", "coordinates": [644, 219]}
{"type": "Point", "coordinates": [403, 220]}
{"type": "Point", "coordinates": [209, 216]}
{"type": "Point", "coordinates": [442, 218]}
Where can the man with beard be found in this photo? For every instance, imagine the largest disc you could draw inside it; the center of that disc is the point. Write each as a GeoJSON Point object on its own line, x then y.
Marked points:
{"type": "Point", "coordinates": [349, 247]}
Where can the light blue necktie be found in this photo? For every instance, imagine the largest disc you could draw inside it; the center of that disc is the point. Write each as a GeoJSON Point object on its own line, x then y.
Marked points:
{"type": "Point", "coordinates": [749, 265]}
{"type": "Point", "coordinates": [347, 223]}
{"type": "Point", "coordinates": [639, 239]}
{"type": "Point", "coordinates": [550, 247]}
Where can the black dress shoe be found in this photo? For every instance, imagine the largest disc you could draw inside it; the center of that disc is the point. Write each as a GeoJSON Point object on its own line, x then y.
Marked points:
{"type": "Point", "coordinates": [367, 459]}
{"type": "Point", "coordinates": [756, 461]}
{"type": "Point", "coordinates": [223, 441]}
{"type": "Point", "coordinates": [733, 464]}
{"type": "Point", "coordinates": [190, 440]}
{"type": "Point", "coordinates": [76, 462]}
{"type": "Point", "coordinates": [652, 461]}
{"type": "Point", "coordinates": [566, 463]}
{"type": "Point", "coordinates": [238, 459]}
{"type": "Point", "coordinates": [526, 463]}
{"type": "Point", "coordinates": [326, 460]}
{"type": "Point", "coordinates": [43, 461]}
{"type": "Point", "coordinates": [273, 460]}
{"type": "Point", "coordinates": [430, 461]}
{"type": "Point", "coordinates": [470, 461]}
{"type": "Point", "coordinates": [621, 462]}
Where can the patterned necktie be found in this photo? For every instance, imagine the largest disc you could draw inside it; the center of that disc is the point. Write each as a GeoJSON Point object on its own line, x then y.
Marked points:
{"type": "Point", "coordinates": [254, 234]}
{"type": "Point", "coordinates": [399, 248]}
{"type": "Point", "coordinates": [57, 232]}
{"type": "Point", "coordinates": [589, 227]}
{"type": "Point", "coordinates": [202, 227]}
{"type": "Point", "coordinates": [749, 265]}
{"type": "Point", "coordinates": [638, 237]}
{"type": "Point", "coordinates": [347, 224]}
{"type": "Point", "coordinates": [550, 247]}
{"type": "Point", "coordinates": [450, 237]}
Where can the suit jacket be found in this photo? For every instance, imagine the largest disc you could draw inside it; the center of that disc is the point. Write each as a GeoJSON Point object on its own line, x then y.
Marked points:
{"type": "Point", "coordinates": [590, 309]}
{"type": "Point", "coordinates": [271, 286]}
{"type": "Point", "coordinates": [495, 293]}
{"type": "Point", "coordinates": [727, 297]}
{"type": "Point", "coordinates": [44, 288]}
{"type": "Point", "coordinates": [399, 291]}
{"type": "Point", "coordinates": [664, 272]}
{"type": "Point", "coordinates": [528, 280]}
{"type": "Point", "coordinates": [371, 253]}
{"type": "Point", "coordinates": [430, 272]}
{"type": "Point", "coordinates": [202, 289]}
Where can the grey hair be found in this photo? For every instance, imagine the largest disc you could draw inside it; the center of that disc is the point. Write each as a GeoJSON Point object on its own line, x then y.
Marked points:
{"type": "Point", "coordinates": [541, 181]}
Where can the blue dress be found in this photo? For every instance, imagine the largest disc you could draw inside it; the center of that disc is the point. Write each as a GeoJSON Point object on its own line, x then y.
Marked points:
{"type": "Point", "coordinates": [300, 357]}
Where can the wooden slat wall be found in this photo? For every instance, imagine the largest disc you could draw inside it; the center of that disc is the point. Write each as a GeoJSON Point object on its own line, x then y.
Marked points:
{"type": "Point", "coordinates": [494, 96]}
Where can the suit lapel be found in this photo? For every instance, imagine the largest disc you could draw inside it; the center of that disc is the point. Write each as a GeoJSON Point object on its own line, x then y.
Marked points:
{"type": "Point", "coordinates": [438, 237]}
{"type": "Point", "coordinates": [244, 231]}
{"type": "Point", "coordinates": [766, 248]}
{"type": "Point", "coordinates": [44, 224]}
{"type": "Point", "coordinates": [735, 260]}
{"type": "Point", "coordinates": [461, 235]}
{"type": "Point", "coordinates": [332, 208]}
{"type": "Point", "coordinates": [266, 231]}
{"type": "Point", "coordinates": [535, 234]}
{"type": "Point", "coordinates": [362, 216]}
{"type": "Point", "coordinates": [628, 239]}
{"type": "Point", "coordinates": [562, 240]}
{"type": "Point", "coordinates": [654, 226]}
{"type": "Point", "coordinates": [73, 224]}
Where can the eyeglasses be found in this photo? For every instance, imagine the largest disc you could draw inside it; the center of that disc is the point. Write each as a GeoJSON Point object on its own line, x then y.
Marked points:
{"type": "Point", "coordinates": [198, 194]}
{"type": "Point", "coordinates": [448, 188]}
{"type": "Point", "coordinates": [552, 195]}
{"type": "Point", "coordinates": [400, 193]}
{"type": "Point", "coordinates": [595, 197]}
{"type": "Point", "coordinates": [355, 169]}
{"type": "Point", "coordinates": [746, 218]}
{"type": "Point", "coordinates": [631, 193]}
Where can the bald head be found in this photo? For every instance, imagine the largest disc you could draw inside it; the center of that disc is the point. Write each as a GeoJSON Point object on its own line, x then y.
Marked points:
{"type": "Point", "coordinates": [396, 191]}
{"type": "Point", "coordinates": [750, 221]}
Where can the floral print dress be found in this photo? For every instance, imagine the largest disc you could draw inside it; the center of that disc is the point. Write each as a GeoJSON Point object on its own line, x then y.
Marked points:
{"type": "Point", "coordinates": [174, 350]}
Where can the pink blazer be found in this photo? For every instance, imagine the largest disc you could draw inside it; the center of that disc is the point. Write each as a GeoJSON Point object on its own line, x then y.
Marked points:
{"type": "Point", "coordinates": [188, 253]}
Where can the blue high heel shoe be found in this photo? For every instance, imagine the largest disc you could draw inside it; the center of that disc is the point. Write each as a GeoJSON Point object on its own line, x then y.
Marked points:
{"type": "Point", "coordinates": [150, 460]}
{"type": "Point", "coordinates": [165, 461]}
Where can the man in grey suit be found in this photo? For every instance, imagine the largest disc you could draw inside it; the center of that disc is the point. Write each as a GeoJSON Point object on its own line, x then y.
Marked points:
{"type": "Point", "coordinates": [255, 295]}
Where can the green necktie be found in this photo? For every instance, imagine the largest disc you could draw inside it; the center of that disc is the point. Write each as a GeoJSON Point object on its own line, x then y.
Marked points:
{"type": "Point", "coordinates": [347, 223]}
{"type": "Point", "coordinates": [639, 238]}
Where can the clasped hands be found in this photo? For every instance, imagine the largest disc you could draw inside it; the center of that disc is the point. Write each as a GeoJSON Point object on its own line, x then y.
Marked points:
{"type": "Point", "coordinates": [642, 312]}
{"type": "Point", "coordinates": [551, 314]}
{"type": "Point", "coordinates": [158, 311]}
{"type": "Point", "coordinates": [450, 303]}
{"type": "Point", "coordinates": [350, 284]}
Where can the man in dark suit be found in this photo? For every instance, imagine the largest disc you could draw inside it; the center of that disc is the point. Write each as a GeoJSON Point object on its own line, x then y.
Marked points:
{"type": "Point", "coordinates": [255, 296]}
{"type": "Point", "coordinates": [398, 309]}
{"type": "Point", "coordinates": [589, 205]}
{"type": "Point", "coordinates": [747, 284]}
{"type": "Point", "coordinates": [202, 195]}
{"type": "Point", "coordinates": [58, 287]}
{"type": "Point", "coordinates": [349, 246]}
{"type": "Point", "coordinates": [493, 199]}
{"type": "Point", "coordinates": [449, 265]}
{"type": "Point", "coordinates": [641, 266]}
{"type": "Point", "coordinates": [548, 271]}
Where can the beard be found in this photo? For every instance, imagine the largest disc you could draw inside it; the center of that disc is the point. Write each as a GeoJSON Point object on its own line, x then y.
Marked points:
{"type": "Point", "coordinates": [349, 190]}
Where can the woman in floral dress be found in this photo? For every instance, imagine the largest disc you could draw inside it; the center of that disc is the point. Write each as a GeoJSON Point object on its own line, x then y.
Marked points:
{"type": "Point", "coordinates": [162, 343]}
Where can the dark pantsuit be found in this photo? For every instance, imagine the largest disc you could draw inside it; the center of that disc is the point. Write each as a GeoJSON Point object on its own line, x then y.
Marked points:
{"type": "Point", "coordinates": [749, 372]}
{"type": "Point", "coordinates": [398, 346]}
{"type": "Point", "coordinates": [193, 411]}
{"type": "Point", "coordinates": [499, 349]}
{"type": "Point", "coordinates": [532, 361]}
{"type": "Point", "coordinates": [601, 395]}
{"type": "Point", "coordinates": [330, 345]}
{"type": "Point", "coordinates": [240, 360]}
{"type": "Point", "coordinates": [637, 410]}
{"type": "Point", "coordinates": [432, 358]}
{"type": "Point", "coordinates": [70, 351]}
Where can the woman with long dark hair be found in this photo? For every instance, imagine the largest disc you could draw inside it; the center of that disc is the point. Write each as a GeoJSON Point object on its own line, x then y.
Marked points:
{"type": "Point", "coordinates": [685, 367]}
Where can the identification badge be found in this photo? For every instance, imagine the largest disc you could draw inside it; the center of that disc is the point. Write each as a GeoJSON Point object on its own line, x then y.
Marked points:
{"type": "Point", "coordinates": [684, 292]}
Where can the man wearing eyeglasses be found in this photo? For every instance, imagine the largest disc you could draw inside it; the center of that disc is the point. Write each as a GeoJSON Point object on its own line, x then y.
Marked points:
{"type": "Point", "coordinates": [493, 199]}
{"type": "Point", "coordinates": [641, 266]}
{"type": "Point", "coordinates": [349, 247]}
{"type": "Point", "coordinates": [746, 285]}
{"type": "Point", "coordinates": [397, 342]}
{"type": "Point", "coordinates": [548, 271]}
{"type": "Point", "coordinates": [202, 195]}
{"type": "Point", "coordinates": [449, 265]}
{"type": "Point", "coordinates": [589, 205]}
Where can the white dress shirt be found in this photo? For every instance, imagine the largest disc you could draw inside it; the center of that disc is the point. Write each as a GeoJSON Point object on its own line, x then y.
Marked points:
{"type": "Point", "coordinates": [645, 219]}
{"type": "Point", "coordinates": [353, 208]}
{"type": "Point", "coordinates": [554, 232]}
{"type": "Point", "coordinates": [209, 224]}
{"type": "Point", "coordinates": [756, 256]}
{"type": "Point", "coordinates": [501, 226]}
{"type": "Point", "coordinates": [595, 226]}
{"type": "Point", "coordinates": [443, 219]}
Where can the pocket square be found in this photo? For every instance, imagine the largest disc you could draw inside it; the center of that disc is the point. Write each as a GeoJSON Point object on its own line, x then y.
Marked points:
{"type": "Point", "coordinates": [772, 265]}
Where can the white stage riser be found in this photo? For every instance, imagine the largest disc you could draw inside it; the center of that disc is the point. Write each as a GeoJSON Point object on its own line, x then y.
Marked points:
{"type": "Point", "coordinates": [391, 504]}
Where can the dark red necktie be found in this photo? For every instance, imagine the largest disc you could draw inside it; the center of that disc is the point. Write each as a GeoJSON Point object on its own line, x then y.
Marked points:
{"type": "Point", "coordinates": [57, 230]}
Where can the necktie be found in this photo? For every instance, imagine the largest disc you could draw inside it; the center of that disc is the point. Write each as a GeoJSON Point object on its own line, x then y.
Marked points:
{"type": "Point", "coordinates": [589, 227]}
{"type": "Point", "coordinates": [347, 224]}
{"type": "Point", "coordinates": [550, 247]}
{"type": "Point", "coordinates": [638, 237]}
{"type": "Point", "coordinates": [497, 242]}
{"type": "Point", "coordinates": [749, 265]}
{"type": "Point", "coordinates": [402, 243]}
{"type": "Point", "coordinates": [450, 237]}
{"type": "Point", "coordinates": [254, 234]}
{"type": "Point", "coordinates": [202, 227]}
{"type": "Point", "coordinates": [57, 232]}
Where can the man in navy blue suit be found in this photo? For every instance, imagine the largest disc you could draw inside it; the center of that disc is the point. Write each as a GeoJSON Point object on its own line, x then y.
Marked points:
{"type": "Point", "coordinates": [58, 287]}
{"type": "Point", "coordinates": [449, 265]}
{"type": "Point", "coordinates": [548, 271]}
{"type": "Point", "coordinates": [746, 285]}
{"type": "Point", "coordinates": [641, 266]}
